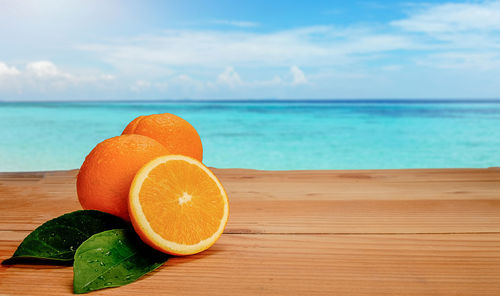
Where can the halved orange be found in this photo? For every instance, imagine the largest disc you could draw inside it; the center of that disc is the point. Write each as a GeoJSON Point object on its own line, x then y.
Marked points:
{"type": "Point", "coordinates": [177, 205]}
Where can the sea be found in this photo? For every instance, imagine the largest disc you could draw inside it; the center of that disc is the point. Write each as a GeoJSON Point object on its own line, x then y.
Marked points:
{"type": "Point", "coordinates": [268, 134]}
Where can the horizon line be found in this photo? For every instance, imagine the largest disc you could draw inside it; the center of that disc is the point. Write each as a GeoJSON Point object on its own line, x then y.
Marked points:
{"type": "Point", "coordinates": [330, 100]}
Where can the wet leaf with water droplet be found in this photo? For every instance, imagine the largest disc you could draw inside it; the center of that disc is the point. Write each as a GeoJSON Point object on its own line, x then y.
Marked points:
{"type": "Point", "coordinates": [56, 240]}
{"type": "Point", "coordinates": [123, 259]}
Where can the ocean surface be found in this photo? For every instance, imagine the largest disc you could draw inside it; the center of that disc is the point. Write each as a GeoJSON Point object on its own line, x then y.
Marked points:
{"type": "Point", "coordinates": [267, 135]}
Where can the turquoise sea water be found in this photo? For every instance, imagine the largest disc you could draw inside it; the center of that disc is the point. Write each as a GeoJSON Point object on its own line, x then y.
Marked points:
{"type": "Point", "coordinates": [267, 135]}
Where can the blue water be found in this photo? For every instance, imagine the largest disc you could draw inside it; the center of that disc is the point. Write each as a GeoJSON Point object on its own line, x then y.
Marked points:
{"type": "Point", "coordinates": [267, 135]}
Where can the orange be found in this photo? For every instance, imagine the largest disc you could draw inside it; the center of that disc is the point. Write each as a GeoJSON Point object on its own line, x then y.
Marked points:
{"type": "Point", "coordinates": [175, 133]}
{"type": "Point", "coordinates": [104, 179]}
{"type": "Point", "coordinates": [177, 205]}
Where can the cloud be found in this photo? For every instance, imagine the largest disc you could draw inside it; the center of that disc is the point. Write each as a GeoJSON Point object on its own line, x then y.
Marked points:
{"type": "Point", "coordinates": [463, 60]}
{"type": "Point", "coordinates": [312, 46]}
{"type": "Point", "coordinates": [427, 29]}
{"type": "Point", "coordinates": [298, 76]}
{"type": "Point", "coordinates": [454, 17]}
{"type": "Point", "coordinates": [474, 26]}
{"type": "Point", "coordinates": [229, 77]}
{"type": "Point", "coordinates": [432, 40]}
{"type": "Point", "coordinates": [457, 35]}
{"type": "Point", "coordinates": [9, 80]}
{"type": "Point", "coordinates": [45, 77]}
{"type": "Point", "coordinates": [43, 69]}
{"type": "Point", "coordinates": [241, 24]}
{"type": "Point", "coordinates": [5, 70]}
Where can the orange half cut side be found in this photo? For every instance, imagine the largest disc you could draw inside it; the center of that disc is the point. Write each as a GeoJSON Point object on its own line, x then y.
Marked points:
{"type": "Point", "coordinates": [177, 205]}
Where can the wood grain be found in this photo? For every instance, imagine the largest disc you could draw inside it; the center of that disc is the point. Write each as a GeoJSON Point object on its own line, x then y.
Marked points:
{"type": "Point", "coordinates": [386, 232]}
{"type": "Point", "coordinates": [385, 201]}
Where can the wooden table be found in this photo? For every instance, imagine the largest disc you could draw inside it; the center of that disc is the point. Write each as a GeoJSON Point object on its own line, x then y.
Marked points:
{"type": "Point", "coordinates": [378, 232]}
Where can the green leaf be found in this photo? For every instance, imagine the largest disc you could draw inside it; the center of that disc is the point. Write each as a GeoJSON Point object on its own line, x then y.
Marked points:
{"type": "Point", "coordinates": [113, 258]}
{"type": "Point", "coordinates": [57, 240]}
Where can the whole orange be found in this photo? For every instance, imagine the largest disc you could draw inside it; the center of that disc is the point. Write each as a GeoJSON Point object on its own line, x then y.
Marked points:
{"type": "Point", "coordinates": [175, 133]}
{"type": "Point", "coordinates": [103, 182]}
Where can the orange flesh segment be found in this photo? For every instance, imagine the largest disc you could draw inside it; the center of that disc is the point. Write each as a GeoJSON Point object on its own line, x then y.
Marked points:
{"type": "Point", "coordinates": [181, 202]}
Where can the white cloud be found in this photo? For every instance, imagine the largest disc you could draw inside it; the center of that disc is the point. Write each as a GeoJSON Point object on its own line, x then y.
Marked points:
{"type": "Point", "coordinates": [229, 77]}
{"type": "Point", "coordinates": [44, 69]}
{"type": "Point", "coordinates": [344, 51]}
{"type": "Point", "coordinates": [212, 49]}
{"type": "Point", "coordinates": [432, 38]}
{"type": "Point", "coordinates": [427, 29]}
{"type": "Point", "coordinates": [458, 35]}
{"type": "Point", "coordinates": [454, 17]}
{"type": "Point", "coordinates": [9, 79]}
{"type": "Point", "coordinates": [45, 77]}
{"type": "Point", "coordinates": [5, 70]}
{"type": "Point", "coordinates": [475, 26]}
{"type": "Point", "coordinates": [463, 60]}
{"type": "Point", "coordinates": [241, 24]}
{"type": "Point", "coordinates": [297, 75]}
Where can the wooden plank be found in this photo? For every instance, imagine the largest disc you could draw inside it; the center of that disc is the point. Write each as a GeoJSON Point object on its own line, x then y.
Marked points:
{"type": "Point", "coordinates": [383, 201]}
{"type": "Point", "coordinates": [258, 264]}
{"type": "Point", "coordinates": [387, 232]}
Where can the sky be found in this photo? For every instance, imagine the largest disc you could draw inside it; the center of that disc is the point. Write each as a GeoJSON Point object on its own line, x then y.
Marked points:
{"type": "Point", "coordinates": [174, 50]}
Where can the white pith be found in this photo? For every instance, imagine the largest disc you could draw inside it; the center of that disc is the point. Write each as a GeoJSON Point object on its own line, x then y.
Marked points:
{"type": "Point", "coordinates": [185, 198]}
